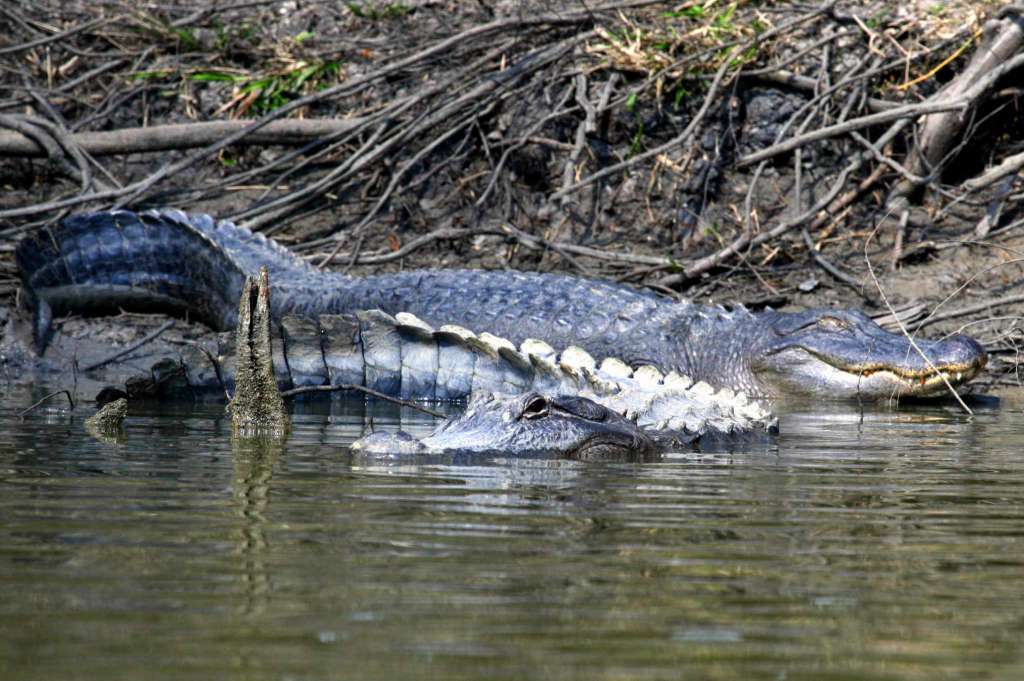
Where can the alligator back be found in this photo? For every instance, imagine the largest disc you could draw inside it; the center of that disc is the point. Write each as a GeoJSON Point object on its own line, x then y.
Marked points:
{"type": "Point", "coordinates": [193, 265]}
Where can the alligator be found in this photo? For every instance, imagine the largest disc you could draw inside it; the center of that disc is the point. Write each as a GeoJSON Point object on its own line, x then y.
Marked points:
{"type": "Point", "coordinates": [532, 424]}
{"type": "Point", "coordinates": [591, 412]}
{"type": "Point", "coordinates": [196, 266]}
{"type": "Point", "coordinates": [405, 358]}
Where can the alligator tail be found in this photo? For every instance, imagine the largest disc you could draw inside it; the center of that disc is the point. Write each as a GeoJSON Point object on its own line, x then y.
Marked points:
{"type": "Point", "coordinates": [151, 261]}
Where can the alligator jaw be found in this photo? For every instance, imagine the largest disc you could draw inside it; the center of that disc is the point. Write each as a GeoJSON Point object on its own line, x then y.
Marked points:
{"type": "Point", "coordinates": [799, 370]}
{"type": "Point", "coordinates": [919, 383]}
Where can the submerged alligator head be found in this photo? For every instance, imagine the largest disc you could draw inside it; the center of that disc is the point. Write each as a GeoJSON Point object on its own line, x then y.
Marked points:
{"type": "Point", "coordinates": [843, 354]}
{"type": "Point", "coordinates": [529, 424]}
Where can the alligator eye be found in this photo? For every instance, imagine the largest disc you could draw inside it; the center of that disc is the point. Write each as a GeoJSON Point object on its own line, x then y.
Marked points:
{"type": "Point", "coordinates": [536, 407]}
{"type": "Point", "coordinates": [833, 324]}
{"type": "Point", "coordinates": [581, 407]}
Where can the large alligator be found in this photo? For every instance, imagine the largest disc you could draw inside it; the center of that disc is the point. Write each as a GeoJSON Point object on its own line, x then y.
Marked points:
{"type": "Point", "coordinates": [404, 357]}
{"type": "Point", "coordinates": [196, 265]}
{"type": "Point", "coordinates": [589, 411]}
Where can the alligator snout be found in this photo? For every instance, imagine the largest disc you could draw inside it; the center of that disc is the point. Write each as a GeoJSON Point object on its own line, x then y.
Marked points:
{"type": "Point", "coordinates": [965, 351]}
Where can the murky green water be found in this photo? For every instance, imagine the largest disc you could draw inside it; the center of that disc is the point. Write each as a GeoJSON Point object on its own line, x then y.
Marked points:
{"type": "Point", "coordinates": [858, 546]}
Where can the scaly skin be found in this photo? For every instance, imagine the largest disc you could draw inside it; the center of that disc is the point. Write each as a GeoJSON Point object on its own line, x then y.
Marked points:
{"type": "Point", "coordinates": [192, 264]}
{"type": "Point", "coordinates": [528, 424]}
{"type": "Point", "coordinates": [536, 423]}
{"type": "Point", "coordinates": [403, 357]}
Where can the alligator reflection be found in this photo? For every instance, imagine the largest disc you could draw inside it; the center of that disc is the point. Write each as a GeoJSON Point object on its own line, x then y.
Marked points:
{"type": "Point", "coordinates": [856, 545]}
{"type": "Point", "coordinates": [254, 460]}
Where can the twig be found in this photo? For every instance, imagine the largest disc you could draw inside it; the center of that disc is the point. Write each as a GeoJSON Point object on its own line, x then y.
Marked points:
{"type": "Point", "coordinates": [903, 328]}
{"type": "Point", "coordinates": [837, 273]}
{"type": "Point", "coordinates": [807, 84]}
{"type": "Point", "coordinates": [882, 158]}
{"type": "Point", "coordinates": [829, 202]}
{"type": "Point", "coordinates": [897, 246]}
{"type": "Point", "coordinates": [907, 111]}
{"type": "Point", "coordinates": [71, 401]}
{"type": "Point", "coordinates": [942, 64]}
{"type": "Point", "coordinates": [183, 136]}
{"type": "Point", "coordinates": [686, 134]}
{"type": "Point", "coordinates": [361, 388]}
{"type": "Point", "coordinates": [587, 125]}
{"type": "Point", "coordinates": [131, 348]}
{"type": "Point", "coordinates": [55, 37]}
{"type": "Point", "coordinates": [971, 309]}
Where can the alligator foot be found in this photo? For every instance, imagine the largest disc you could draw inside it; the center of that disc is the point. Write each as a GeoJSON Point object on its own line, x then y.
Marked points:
{"type": "Point", "coordinates": [257, 406]}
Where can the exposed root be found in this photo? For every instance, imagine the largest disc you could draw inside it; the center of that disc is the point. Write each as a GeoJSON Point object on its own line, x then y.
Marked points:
{"type": "Point", "coordinates": [727, 144]}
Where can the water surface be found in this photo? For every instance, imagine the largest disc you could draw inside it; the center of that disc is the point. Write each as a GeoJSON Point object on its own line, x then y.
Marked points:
{"type": "Point", "coordinates": [858, 545]}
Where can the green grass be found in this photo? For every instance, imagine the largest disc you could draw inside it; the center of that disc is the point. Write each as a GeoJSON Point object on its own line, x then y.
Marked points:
{"type": "Point", "coordinates": [273, 90]}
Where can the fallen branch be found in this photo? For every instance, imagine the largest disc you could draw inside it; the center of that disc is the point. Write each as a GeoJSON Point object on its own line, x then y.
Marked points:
{"type": "Point", "coordinates": [906, 111]}
{"type": "Point", "coordinates": [810, 85]}
{"type": "Point", "coordinates": [131, 348]}
{"type": "Point", "coordinates": [361, 388]}
{"type": "Point", "coordinates": [183, 136]}
{"type": "Point", "coordinates": [1008, 166]}
{"type": "Point", "coordinates": [971, 309]}
{"type": "Point", "coordinates": [1003, 38]}
{"type": "Point", "coordinates": [71, 400]}
{"type": "Point", "coordinates": [55, 37]}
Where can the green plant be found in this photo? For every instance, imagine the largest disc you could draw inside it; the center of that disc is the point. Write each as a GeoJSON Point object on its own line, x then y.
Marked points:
{"type": "Point", "coordinates": [264, 93]}
{"type": "Point", "coordinates": [185, 37]}
{"type": "Point", "coordinates": [636, 144]}
{"type": "Point", "coordinates": [678, 96]}
{"type": "Point", "coordinates": [695, 12]}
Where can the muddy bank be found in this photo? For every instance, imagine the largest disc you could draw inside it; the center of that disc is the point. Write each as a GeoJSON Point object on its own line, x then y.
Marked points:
{"type": "Point", "coordinates": [87, 355]}
{"type": "Point", "coordinates": [844, 154]}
